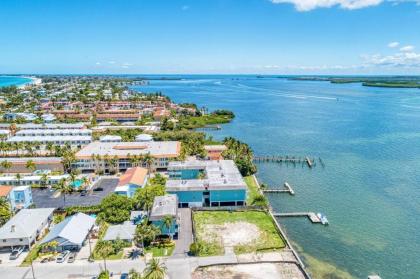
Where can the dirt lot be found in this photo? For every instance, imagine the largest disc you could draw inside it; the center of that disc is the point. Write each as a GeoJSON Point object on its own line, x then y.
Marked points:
{"type": "Point", "coordinates": [232, 234]}
{"type": "Point", "coordinates": [249, 271]}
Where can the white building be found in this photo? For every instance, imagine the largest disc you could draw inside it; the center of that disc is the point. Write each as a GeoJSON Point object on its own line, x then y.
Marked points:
{"type": "Point", "coordinates": [23, 228]}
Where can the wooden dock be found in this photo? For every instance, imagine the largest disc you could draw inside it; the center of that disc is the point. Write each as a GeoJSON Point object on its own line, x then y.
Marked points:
{"type": "Point", "coordinates": [287, 189]}
{"type": "Point", "coordinates": [294, 160]}
{"type": "Point", "coordinates": [310, 215]}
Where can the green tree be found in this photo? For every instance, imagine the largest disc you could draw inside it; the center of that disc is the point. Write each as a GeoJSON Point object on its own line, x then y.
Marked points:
{"type": "Point", "coordinates": [104, 249]}
{"type": "Point", "coordinates": [145, 233]}
{"type": "Point", "coordinates": [167, 222]}
{"type": "Point", "coordinates": [6, 165]}
{"type": "Point", "coordinates": [5, 211]}
{"type": "Point", "coordinates": [64, 188]}
{"type": "Point", "coordinates": [155, 270]}
{"type": "Point", "coordinates": [30, 165]}
{"type": "Point", "coordinates": [115, 209]}
{"type": "Point", "coordinates": [133, 274]}
{"type": "Point", "coordinates": [144, 197]}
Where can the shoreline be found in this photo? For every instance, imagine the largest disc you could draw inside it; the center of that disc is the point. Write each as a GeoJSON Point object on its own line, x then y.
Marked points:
{"type": "Point", "coordinates": [33, 81]}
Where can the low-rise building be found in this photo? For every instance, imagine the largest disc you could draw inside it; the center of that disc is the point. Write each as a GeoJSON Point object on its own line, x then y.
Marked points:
{"type": "Point", "coordinates": [130, 181]}
{"type": "Point", "coordinates": [16, 180]}
{"type": "Point", "coordinates": [19, 164]}
{"type": "Point", "coordinates": [206, 183]}
{"type": "Point", "coordinates": [125, 231]}
{"type": "Point", "coordinates": [110, 138]}
{"type": "Point", "coordinates": [94, 156]}
{"type": "Point", "coordinates": [19, 197]}
{"type": "Point", "coordinates": [71, 233]}
{"type": "Point", "coordinates": [25, 227]}
{"type": "Point", "coordinates": [163, 207]}
{"type": "Point", "coordinates": [214, 152]}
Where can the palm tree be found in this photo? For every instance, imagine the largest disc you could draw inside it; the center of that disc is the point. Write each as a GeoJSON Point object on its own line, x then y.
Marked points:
{"type": "Point", "coordinates": [155, 270]}
{"type": "Point", "coordinates": [133, 274]}
{"type": "Point", "coordinates": [50, 148]}
{"type": "Point", "coordinates": [6, 165]}
{"type": "Point", "coordinates": [5, 211]}
{"type": "Point", "coordinates": [44, 179]}
{"type": "Point", "coordinates": [167, 222]}
{"type": "Point", "coordinates": [30, 165]}
{"type": "Point", "coordinates": [64, 189]}
{"type": "Point", "coordinates": [18, 178]}
{"type": "Point", "coordinates": [145, 233]}
{"type": "Point", "coordinates": [148, 160]}
{"type": "Point", "coordinates": [104, 249]}
{"type": "Point", "coordinates": [85, 182]}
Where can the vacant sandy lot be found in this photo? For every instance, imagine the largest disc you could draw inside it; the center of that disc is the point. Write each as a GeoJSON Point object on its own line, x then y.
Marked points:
{"type": "Point", "coordinates": [232, 234]}
{"type": "Point", "coordinates": [249, 271]}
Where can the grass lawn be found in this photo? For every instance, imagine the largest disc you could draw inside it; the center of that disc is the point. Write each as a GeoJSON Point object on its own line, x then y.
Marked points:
{"type": "Point", "coordinates": [252, 189]}
{"type": "Point", "coordinates": [160, 251]}
{"type": "Point", "coordinates": [118, 256]}
{"type": "Point", "coordinates": [268, 239]}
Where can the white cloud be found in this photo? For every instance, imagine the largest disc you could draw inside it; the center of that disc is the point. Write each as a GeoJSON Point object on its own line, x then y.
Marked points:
{"type": "Point", "coordinates": [407, 49]}
{"type": "Point", "coordinates": [98, 63]}
{"type": "Point", "coordinates": [185, 7]}
{"type": "Point", "coordinates": [399, 59]}
{"type": "Point", "coordinates": [393, 44]}
{"type": "Point", "coordinates": [307, 5]}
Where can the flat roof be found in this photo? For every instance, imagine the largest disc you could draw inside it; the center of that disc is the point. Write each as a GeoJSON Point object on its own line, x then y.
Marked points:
{"type": "Point", "coordinates": [164, 206]}
{"type": "Point", "coordinates": [54, 132]}
{"type": "Point", "coordinates": [36, 160]}
{"type": "Point", "coordinates": [49, 138]}
{"type": "Point", "coordinates": [157, 149]}
{"type": "Point", "coordinates": [220, 175]}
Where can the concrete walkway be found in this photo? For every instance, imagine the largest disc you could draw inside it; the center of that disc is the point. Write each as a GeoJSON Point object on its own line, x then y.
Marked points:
{"type": "Point", "coordinates": [185, 237]}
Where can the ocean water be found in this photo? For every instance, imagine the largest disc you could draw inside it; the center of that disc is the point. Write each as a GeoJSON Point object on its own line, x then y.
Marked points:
{"type": "Point", "coordinates": [13, 80]}
{"type": "Point", "coordinates": [369, 141]}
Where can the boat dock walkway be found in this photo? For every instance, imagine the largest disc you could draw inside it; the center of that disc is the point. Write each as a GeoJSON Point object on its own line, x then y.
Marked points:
{"type": "Point", "coordinates": [287, 189]}
{"type": "Point", "coordinates": [294, 160]}
{"type": "Point", "coordinates": [311, 215]}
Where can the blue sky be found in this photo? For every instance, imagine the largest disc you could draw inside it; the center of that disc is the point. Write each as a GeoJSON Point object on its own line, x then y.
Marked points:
{"type": "Point", "coordinates": [210, 36]}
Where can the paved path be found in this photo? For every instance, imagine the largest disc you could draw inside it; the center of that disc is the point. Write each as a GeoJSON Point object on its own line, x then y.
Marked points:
{"type": "Point", "coordinates": [185, 237]}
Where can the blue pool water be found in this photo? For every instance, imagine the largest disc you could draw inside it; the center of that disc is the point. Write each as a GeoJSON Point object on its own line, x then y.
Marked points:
{"type": "Point", "coordinates": [13, 80]}
{"type": "Point", "coordinates": [369, 140]}
{"type": "Point", "coordinates": [76, 184]}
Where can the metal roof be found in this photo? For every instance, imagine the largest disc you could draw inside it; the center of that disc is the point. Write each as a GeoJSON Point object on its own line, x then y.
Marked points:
{"type": "Point", "coordinates": [124, 231]}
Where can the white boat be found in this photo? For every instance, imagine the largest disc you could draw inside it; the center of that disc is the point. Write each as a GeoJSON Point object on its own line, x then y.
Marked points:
{"type": "Point", "coordinates": [323, 218]}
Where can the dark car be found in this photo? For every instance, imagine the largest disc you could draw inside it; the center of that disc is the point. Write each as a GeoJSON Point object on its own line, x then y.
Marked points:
{"type": "Point", "coordinates": [99, 189]}
{"type": "Point", "coordinates": [83, 193]}
{"type": "Point", "coordinates": [124, 276]}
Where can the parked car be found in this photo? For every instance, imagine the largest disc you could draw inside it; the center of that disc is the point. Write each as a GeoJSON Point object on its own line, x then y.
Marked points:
{"type": "Point", "coordinates": [83, 193]}
{"type": "Point", "coordinates": [63, 256]}
{"type": "Point", "coordinates": [124, 276]}
{"type": "Point", "coordinates": [44, 260]}
{"type": "Point", "coordinates": [16, 253]}
{"type": "Point", "coordinates": [99, 189]}
{"type": "Point", "coordinates": [71, 258]}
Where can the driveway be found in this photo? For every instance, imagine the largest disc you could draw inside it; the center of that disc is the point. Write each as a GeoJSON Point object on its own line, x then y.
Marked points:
{"type": "Point", "coordinates": [5, 261]}
{"type": "Point", "coordinates": [185, 237]}
{"type": "Point", "coordinates": [44, 198]}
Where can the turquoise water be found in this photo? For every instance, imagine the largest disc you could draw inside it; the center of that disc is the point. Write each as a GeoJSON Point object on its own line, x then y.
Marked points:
{"type": "Point", "coordinates": [13, 80]}
{"type": "Point", "coordinates": [369, 140]}
{"type": "Point", "coordinates": [77, 183]}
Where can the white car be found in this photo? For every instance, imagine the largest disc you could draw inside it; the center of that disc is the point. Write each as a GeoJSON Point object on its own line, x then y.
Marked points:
{"type": "Point", "coordinates": [63, 256]}
{"type": "Point", "coordinates": [16, 253]}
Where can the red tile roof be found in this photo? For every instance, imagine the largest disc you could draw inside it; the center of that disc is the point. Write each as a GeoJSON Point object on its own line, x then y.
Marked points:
{"type": "Point", "coordinates": [135, 176]}
{"type": "Point", "coordinates": [5, 190]}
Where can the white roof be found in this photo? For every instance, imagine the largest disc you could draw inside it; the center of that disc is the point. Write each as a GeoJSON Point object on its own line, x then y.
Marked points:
{"type": "Point", "coordinates": [25, 223]}
{"type": "Point", "coordinates": [163, 206]}
{"type": "Point", "coordinates": [49, 138]}
{"type": "Point", "coordinates": [144, 137]}
{"type": "Point", "coordinates": [32, 177]}
{"type": "Point", "coordinates": [155, 148]}
{"type": "Point", "coordinates": [110, 138]}
{"type": "Point", "coordinates": [73, 230]}
{"type": "Point", "coordinates": [124, 231]}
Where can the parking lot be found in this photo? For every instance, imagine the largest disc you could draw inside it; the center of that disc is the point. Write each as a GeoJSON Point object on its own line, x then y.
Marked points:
{"type": "Point", "coordinates": [5, 261]}
{"type": "Point", "coordinates": [44, 198]}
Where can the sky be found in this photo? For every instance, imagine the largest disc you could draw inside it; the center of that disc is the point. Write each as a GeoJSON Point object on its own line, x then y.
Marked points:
{"type": "Point", "coordinates": [210, 37]}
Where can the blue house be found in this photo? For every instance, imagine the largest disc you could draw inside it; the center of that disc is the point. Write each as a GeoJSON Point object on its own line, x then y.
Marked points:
{"type": "Point", "coordinates": [206, 183]}
{"type": "Point", "coordinates": [164, 206]}
{"type": "Point", "coordinates": [19, 196]}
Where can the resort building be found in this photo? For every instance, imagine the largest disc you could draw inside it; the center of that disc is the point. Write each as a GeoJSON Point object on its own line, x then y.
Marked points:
{"type": "Point", "coordinates": [77, 138]}
{"type": "Point", "coordinates": [120, 117]}
{"type": "Point", "coordinates": [206, 183]}
{"type": "Point", "coordinates": [164, 206]}
{"type": "Point", "coordinates": [71, 233]}
{"type": "Point", "coordinates": [19, 197]}
{"type": "Point", "coordinates": [130, 181]}
{"type": "Point", "coordinates": [110, 138]}
{"type": "Point", "coordinates": [15, 180]}
{"type": "Point", "coordinates": [18, 164]}
{"type": "Point", "coordinates": [61, 126]}
{"type": "Point", "coordinates": [25, 227]}
{"type": "Point", "coordinates": [97, 155]}
{"type": "Point", "coordinates": [125, 231]}
{"type": "Point", "coordinates": [214, 152]}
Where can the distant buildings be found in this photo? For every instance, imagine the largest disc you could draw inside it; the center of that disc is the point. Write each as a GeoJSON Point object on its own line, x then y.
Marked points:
{"type": "Point", "coordinates": [71, 233]}
{"type": "Point", "coordinates": [15, 180]}
{"type": "Point", "coordinates": [130, 181]}
{"type": "Point", "coordinates": [98, 155]}
{"type": "Point", "coordinates": [19, 197]}
{"type": "Point", "coordinates": [206, 183]}
{"type": "Point", "coordinates": [19, 164]}
{"type": "Point", "coordinates": [24, 228]}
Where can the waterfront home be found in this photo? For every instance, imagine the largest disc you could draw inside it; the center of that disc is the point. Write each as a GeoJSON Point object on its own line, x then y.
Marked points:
{"type": "Point", "coordinates": [214, 152]}
{"type": "Point", "coordinates": [125, 231]}
{"type": "Point", "coordinates": [71, 233]}
{"type": "Point", "coordinates": [25, 227]}
{"type": "Point", "coordinates": [19, 197]}
{"type": "Point", "coordinates": [93, 157]}
{"type": "Point", "coordinates": [130, 181]}
{"type": "Point", "coordinates": [163, 207]}
{"type": "Point", "coordinates": [19, 164]}
{"type": "Point", "coordinates": [206, 183]}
